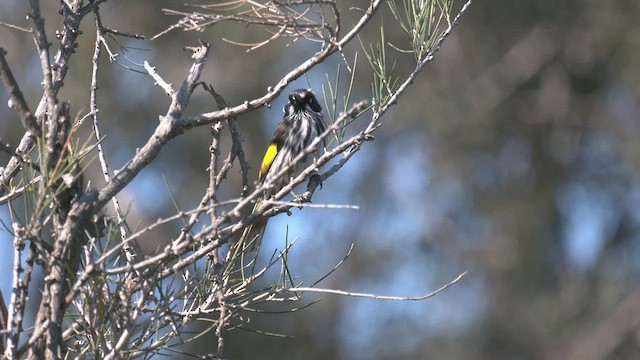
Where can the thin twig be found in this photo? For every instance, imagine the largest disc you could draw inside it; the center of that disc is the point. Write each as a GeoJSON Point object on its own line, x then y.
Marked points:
{"type": "Point", "coordinates": [374, 296]}
{"type": "Point", "coordinates": [308, 205]}
{"type": "Point", "coordinates": [15, 27]}
{"type": "Point", "coordinates": [132, 249]}
{"type": "Point", "coordinates": [17, 192]}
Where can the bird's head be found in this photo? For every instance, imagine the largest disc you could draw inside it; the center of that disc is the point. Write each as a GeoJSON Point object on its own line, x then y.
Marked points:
{"type": "Point", "coordinates": [300, 99]}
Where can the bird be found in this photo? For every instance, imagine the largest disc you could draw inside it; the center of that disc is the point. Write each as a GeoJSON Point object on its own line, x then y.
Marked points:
{"type": "Point", "coordinates": [301, 124]}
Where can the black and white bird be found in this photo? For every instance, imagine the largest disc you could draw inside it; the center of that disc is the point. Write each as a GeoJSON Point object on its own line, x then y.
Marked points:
{"type": "Point", "coordinates": [301, 124]}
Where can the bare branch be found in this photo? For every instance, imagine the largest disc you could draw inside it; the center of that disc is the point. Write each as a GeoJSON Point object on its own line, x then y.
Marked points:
{"type": "Point", "coordinates": [43, 50]}
{"type": "Point", "coordinates": [159, 80]}
{"type": "Point", "coordinates": [140, 305]}
{"type": "Point", "coordinates": [167, 129]}
{"type": "Point", "coordinates": [273, 92]}
{"type": "Point", "coordinates": [17, 101]}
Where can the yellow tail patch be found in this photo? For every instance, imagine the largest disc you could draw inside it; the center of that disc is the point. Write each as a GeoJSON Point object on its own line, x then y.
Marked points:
{"type": "Point", "coordinates": [271, 153]}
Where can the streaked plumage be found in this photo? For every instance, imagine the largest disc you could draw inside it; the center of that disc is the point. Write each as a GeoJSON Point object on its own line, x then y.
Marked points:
{"type": "Point", "coordinates": [301, 124]}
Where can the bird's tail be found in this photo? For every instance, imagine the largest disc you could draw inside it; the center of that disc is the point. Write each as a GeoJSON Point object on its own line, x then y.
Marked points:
{"type": "Point", "coordinates": [252, 235]}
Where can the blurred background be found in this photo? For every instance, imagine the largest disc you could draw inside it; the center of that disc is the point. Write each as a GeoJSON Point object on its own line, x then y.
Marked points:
{"type": "Point", "coordinates": [514, 157]}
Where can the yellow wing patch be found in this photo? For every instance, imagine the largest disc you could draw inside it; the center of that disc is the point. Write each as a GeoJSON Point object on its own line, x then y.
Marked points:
{"type": "Point", "coordinates": [271, 153]}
